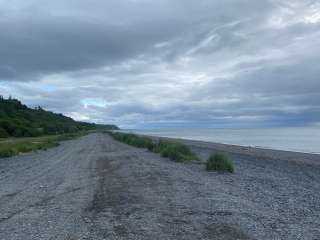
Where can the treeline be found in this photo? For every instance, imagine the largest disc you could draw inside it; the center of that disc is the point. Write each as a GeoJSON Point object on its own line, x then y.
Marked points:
{"type": "Point", "coordinates": [18, 120]}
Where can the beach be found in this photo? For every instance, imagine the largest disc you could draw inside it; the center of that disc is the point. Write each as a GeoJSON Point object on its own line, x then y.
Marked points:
{"type": "Point", "coordinates": [97, 188]}
{"type": "Point", "coordinates": [276, 192]}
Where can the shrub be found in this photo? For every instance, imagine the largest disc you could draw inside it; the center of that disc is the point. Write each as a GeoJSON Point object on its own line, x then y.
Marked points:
{"type": "Point", "coordinates": [3, 133]}
{"type": "Point", "coordinates": [7, 152]}
{"type": "Point", "coordinates": [220, 162]}
{"type": "Point", "coordinates": [6, 125]}
{"type": "Point", "coordinates": [17, 133]}
{"type": "Point", "coordinates": [175, 151]}
{"type": "Point", "coordinates": [30, 132]}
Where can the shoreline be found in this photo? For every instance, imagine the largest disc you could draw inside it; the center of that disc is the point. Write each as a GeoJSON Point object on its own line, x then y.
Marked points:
{"type": "Point", "coordinates": [256, 152]}
{"type": "Point", "coordinates": [121, 185]}
{"type": "Point", "coordinates": [269, 196]}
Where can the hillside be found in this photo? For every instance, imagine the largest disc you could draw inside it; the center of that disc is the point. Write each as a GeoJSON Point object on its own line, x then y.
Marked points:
{"type": "Point", "coordinates": [18, 120]}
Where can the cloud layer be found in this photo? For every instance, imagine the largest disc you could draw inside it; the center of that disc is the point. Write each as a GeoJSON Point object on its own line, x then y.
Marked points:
{"type": "Point", "coordinates": [171, 63]}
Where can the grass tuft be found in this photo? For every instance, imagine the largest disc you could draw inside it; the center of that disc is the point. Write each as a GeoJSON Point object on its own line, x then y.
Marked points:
{"type": "Point", "coordinates": [175, 151]}
{"type": "Point", "coordinates": [7, 152]}
{"type": "Point", "coordinates": [220, 163]}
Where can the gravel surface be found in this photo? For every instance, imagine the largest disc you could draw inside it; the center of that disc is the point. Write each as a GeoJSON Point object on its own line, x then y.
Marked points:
{"type": "Point", "coordinates": [96, 188]}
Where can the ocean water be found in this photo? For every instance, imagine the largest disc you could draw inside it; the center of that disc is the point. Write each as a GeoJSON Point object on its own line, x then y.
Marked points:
{"type": "Point", "coordinates": [300, 139]}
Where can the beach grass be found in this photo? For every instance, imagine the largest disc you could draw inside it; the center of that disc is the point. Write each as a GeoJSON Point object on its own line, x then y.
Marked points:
{"type": "Point", "coordinates": [175, 151]}
{"type": "Point", "coordinates": [10, 149]}
{"type": "Point", "coordinates": [15, 146]}
{"type": "Point", "coordinates": [133, 140]}
{"type": "Point", "coordinates": [220, 162]}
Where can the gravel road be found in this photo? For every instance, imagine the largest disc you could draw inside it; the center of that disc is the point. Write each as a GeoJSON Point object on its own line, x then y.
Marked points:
{"type": "Point", "coordinates": [96, 188]}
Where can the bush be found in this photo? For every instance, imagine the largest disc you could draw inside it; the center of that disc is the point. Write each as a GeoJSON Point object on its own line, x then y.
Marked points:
{"type": "Point", "coordinates": [7, 152]}
{"type": "Point", "coordinates": [220, 162]}
{"type": "Point", "coordinates": [175, 151]}
{"type": "Point", "coordinates": [3, 133]}
{"type": "Point", "coordinates": [28, 132]}
{"type": "Point", "coordinates": [17, 133]}
{"type": "Point", "coordinates": [6, 125]}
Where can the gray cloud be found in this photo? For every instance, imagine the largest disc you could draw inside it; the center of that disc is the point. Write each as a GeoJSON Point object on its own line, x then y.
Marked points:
{"type": "Point", "coordinates": [143, 63]}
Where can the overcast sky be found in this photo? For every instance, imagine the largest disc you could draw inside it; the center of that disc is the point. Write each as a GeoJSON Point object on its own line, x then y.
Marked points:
{"type": "Point", "coordinates": [166, 63]}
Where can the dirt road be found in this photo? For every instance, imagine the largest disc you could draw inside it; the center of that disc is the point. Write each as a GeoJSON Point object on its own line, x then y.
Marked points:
{"type": "Point", "coordinates": [96, 188]}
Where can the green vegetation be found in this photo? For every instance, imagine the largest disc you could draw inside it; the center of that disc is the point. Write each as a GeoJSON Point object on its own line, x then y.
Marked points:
{"type": "Point", "coordinates": [70, 136]}
{"type": "Point", "coordinates": [9, 148]}
{"type": "Point", "coordinates": [3, 133]}
{"type": "Point", "coordinates": [133, 140]}
{"type": "Point", "coordinates": [17, 120]}
{"type": "Point", "coordinates": [175, 151]}
{"type": "Point", "coordinates": [220, 162]}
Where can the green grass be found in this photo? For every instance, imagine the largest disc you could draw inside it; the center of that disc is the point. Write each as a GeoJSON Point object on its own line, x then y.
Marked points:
{"type": "Point", "coordinates": [220, 163]}
{"type": "Point", "coordinates": [15, 146]}
{"type": "Point", "coordinates": [173, 150]}
{"type": "Point", "coordinates": [133, 140]}
{"type": "Point", "coordinates": [11, 149]}
{"type": "Point", "coordinates": [70, 136]}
